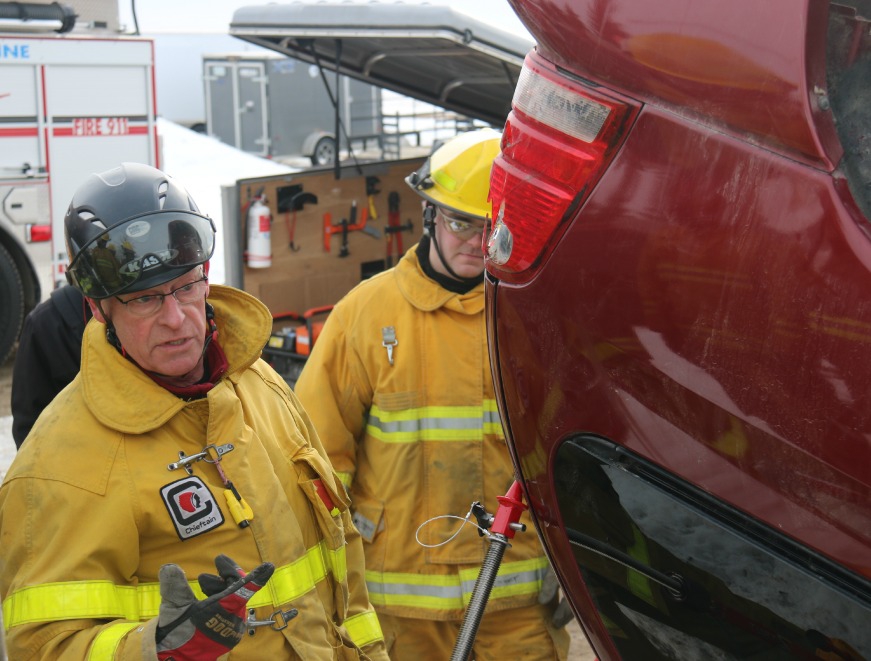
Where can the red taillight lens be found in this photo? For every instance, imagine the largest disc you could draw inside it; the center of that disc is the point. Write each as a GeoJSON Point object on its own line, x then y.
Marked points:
{"type": "Point", "coordinates": [557, 141]}
{"type": "Point", "coordinates": [38, 233]}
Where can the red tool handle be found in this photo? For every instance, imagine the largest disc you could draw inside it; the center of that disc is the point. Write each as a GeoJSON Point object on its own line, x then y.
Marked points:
{"type": "Point", "coordinates": [510, 508]}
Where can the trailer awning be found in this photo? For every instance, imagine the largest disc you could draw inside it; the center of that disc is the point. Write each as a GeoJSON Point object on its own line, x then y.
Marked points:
{"type": "Point", "coordinates": [426, 52]}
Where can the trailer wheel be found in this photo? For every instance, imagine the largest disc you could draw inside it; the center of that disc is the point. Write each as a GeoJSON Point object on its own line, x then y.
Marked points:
{"type": "Point", "coordinates": [11, 304]}
{"type": "Point", "coordinates": [324, 152]}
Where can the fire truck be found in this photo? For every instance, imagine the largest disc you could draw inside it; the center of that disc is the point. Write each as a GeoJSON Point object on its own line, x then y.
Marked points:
{"type": "Point", "coordinates": [70, 104]}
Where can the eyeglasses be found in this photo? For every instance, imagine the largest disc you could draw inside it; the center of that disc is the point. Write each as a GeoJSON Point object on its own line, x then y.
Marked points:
{"type": "Point", "coordinates": [145, 306]}
{"type": "Point", "coordinates": [461, 228]}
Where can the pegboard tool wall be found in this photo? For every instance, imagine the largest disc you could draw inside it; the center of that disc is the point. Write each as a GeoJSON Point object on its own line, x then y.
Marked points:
{"type": "Point", "coordinates": [303, 275]}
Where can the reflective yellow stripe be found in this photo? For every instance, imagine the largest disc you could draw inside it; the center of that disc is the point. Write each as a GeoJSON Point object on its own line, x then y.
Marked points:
{"type": "Point", "coordinates": [364, 628]}
{"type": "Point", "coordinates": [70, 601]}
{"type": "Point", "coordinates": [345, 478]}
{"type": "Point", "coordinates": [107, 641]}
{"type": "Point", "coordinates": [105, 600]}
{"type": "Point", "coordinates": [435, 423]}
{"type": "Point", "coordinates": [294, 580]}
{"type": "Point", "coordinates": [453, 591]}
{"type": "Point", "coordinates": [492, 421]}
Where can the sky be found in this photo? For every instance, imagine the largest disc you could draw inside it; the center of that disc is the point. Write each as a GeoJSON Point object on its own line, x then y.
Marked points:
{"type": "Point", "coordinates": [215, 15]}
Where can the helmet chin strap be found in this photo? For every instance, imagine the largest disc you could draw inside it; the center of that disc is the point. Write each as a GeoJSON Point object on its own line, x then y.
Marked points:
{"type": "Point", "coordinates": [212, 332]}
{"type": "Point", "coordinates": [111, 335]}
{"type": "Point", "coordinates": [429, 214]}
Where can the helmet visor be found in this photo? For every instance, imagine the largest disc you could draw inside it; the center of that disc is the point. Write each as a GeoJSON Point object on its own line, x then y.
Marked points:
{"type": "Point", "coordinates": [139, 250]}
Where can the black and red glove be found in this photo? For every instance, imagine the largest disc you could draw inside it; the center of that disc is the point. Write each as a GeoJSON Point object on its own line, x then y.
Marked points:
{"type": "Point", "coordinates": [192, 630]}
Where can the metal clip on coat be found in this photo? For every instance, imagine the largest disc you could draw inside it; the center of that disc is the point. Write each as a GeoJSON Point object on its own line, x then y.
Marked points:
{"type": "Point", "coordinates": [277, 621]}
{"type": "Point", "coordinates": [502, 527]}
{"type": "Point", "coordinates": [184, 461]}
{"type": "Point", "coordinates": [388, 341]}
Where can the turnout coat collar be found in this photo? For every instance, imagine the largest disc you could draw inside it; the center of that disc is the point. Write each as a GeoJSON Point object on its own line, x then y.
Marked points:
{"type": "Point", "coordinates": [427, 295]}
{"type": "Point", "coordinates": [110, 382]}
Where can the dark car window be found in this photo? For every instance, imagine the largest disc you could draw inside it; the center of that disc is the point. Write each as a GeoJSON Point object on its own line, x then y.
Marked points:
{"type": "Point", "coordinates": [848, 60]}
{"type": "Point", "coordinates": [671, 569]}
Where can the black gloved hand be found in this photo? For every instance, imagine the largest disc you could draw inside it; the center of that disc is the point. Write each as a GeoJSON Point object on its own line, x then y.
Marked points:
{"type": "Point", "coordinates": [550, 590]}
{"type": "Point", "coordinates": [193, 630]}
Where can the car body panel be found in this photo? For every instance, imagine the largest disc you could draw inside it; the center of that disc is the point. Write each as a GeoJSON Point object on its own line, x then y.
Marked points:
{"type": "Point", "coordinates": [704, 311]}
{"type": "Point", "coordinates": [746, 66]}
{"type": "Point", "coordinates": [693, 333]}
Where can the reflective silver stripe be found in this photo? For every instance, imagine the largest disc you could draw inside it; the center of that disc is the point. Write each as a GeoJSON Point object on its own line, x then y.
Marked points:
{"type": "Point", "coordinates": [453, 591]}
{"type": "Point", "coordinates": [506, 581]}
{"type": "Point", "coordinates": [434, 423]}
{"type": "Point", "coordinates": [398, 589]}
{"type": "Point", "coordinates": [492, 420]}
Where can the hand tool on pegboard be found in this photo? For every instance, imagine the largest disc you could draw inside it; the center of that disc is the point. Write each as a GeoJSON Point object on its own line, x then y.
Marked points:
{"type": "Point", "coordinates": [297, 202]}
{"type": "Point", "coordinates": [394, 229]}
{"type": "Point", "coordinates": [364, 225]}
{"type": "Point", "coordinates": [371, 191]}
{"type": "Point", "coordinates": [330, 229]}
{"type": "Point", "coordinates": [348, 225]}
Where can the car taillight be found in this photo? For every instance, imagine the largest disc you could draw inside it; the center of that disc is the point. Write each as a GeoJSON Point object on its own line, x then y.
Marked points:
{"type": "Point", "coordinates": [559, 138]}
{"type": "Point", "coordinates": [38, 233]}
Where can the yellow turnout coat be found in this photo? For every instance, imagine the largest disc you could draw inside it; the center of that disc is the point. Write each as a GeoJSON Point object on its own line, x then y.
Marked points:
{"type": "Point", "coordinates": [90, 510]}
{"type": "Point", "coordinates": [417, 439]}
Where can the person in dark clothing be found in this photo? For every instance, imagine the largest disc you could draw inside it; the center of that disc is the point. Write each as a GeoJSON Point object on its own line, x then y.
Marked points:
{"type": "Point", "coordinates": [48, 357]}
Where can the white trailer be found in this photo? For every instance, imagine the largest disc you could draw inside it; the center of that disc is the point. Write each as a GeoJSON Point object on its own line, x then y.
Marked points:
{"type": "Point", "coordinates": [69, 106]}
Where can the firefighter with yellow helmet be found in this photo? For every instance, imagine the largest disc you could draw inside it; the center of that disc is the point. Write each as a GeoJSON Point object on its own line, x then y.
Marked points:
{"type": "Point", "coordinates": [399, 388]}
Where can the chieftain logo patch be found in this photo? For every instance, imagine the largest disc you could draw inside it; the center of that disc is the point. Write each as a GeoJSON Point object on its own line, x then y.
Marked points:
{"type": "Point", "coordinates": [191, 506]}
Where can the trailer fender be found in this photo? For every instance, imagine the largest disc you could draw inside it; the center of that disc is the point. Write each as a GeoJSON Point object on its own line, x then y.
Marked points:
{"type": "Point", "coordinates": [320, 147]}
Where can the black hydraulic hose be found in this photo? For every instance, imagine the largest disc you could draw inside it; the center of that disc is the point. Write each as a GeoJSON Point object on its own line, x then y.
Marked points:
{"type": "Point", "coordinates": [480, 597]}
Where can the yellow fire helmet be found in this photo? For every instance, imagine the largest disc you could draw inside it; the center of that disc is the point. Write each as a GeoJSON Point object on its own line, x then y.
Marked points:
{"type": "Point", "coordinates": [457, 175]}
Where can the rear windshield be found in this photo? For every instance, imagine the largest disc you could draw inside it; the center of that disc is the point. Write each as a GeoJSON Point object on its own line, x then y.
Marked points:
{"type": "Point", "coordinates": [848, 61]}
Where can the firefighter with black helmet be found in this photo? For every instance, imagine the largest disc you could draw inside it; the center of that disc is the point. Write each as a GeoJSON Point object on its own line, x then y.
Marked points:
{"type": "Point", "coordinates": [175, 453]}
{"type": "Point", "coordinates": [399, 388]}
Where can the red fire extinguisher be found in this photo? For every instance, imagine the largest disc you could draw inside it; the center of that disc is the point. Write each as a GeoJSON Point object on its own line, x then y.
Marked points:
{"type": "Point", "coordinates": [259, 220]}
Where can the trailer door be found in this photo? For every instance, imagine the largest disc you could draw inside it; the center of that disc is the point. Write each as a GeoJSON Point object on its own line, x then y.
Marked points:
{"type": "Point", "coordinates": [236, 104]}
{"type": "Point", "coordinates": [253, 130]}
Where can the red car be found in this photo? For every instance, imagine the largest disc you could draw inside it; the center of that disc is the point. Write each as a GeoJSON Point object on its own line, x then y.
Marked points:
{"type": "Point", "coordinates": [679, 309]}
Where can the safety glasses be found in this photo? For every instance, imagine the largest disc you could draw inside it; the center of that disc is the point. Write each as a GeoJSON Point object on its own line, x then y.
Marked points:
{"type": "Point", "coordinates": [462, 227]}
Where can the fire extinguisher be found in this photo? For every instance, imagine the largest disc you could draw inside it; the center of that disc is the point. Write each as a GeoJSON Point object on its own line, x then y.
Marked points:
{"type": "Point", "coordinates": [259, 220]}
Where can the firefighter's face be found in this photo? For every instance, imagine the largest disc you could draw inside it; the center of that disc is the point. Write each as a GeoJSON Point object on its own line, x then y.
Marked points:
{"type": "Point", "coordinates": [459, 238]}
{"type": "Point", "coordinates": [168, 342]}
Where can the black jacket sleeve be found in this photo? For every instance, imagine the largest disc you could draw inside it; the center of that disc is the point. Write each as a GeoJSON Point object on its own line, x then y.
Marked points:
{"type": "Point", "coordinates": [48, 357]}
